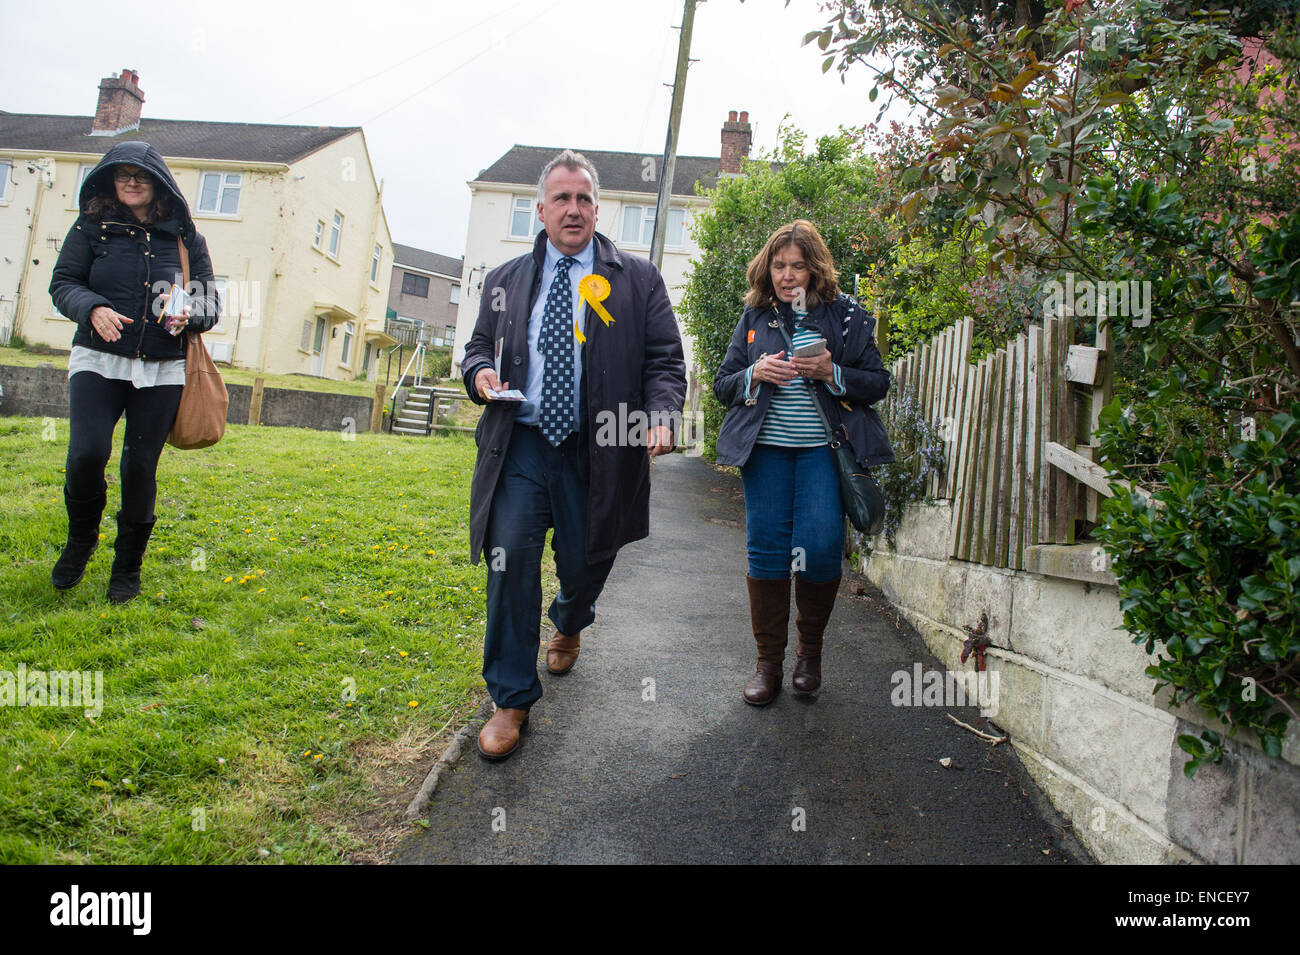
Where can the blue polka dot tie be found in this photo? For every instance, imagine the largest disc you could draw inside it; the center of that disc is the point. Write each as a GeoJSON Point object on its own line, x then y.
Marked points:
{"type": "Point", "coordinates": [555, 342]}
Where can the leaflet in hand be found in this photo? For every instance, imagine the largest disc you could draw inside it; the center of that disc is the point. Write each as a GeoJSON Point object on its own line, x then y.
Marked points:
{"type": "Point", "coordinates": [514, 394]}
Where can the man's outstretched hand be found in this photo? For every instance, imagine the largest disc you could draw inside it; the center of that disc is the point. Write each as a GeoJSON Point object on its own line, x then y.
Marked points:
{"type": "Point", "coordinates": [487, 378]}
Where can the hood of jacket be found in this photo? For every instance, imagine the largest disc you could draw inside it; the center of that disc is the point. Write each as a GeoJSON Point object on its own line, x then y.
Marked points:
{"type": "Point", "coordinates": [100, 179]}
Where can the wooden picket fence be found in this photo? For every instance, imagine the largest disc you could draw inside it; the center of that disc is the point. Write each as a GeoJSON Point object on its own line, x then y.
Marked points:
{"type": "Point", "coordinates": [1017, 431]}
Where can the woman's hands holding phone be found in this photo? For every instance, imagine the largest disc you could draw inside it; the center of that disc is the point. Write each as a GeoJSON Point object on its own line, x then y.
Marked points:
{"type": "Point", "coordinates": [818, 366]}
{"type": "Point", "coordinates": [774, 369]}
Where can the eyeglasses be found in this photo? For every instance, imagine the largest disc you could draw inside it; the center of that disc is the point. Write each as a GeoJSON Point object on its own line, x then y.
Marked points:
{"type": "Point", "coordinates": [141, 178]}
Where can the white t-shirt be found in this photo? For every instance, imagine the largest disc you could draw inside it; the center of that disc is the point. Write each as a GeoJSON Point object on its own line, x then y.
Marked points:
{"type": "Point", "coordinates": [138, 371]}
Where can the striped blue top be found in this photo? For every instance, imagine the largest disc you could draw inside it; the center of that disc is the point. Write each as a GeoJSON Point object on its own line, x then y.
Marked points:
{"type": "Point", "coordinates": [792, 420]}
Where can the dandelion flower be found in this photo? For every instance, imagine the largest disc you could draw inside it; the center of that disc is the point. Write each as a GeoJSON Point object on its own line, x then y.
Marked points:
{"type": "Point", "coordinates": [413, 703]}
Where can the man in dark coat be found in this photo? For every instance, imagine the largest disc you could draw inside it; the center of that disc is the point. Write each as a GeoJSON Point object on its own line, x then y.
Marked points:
{"type": "Point", "coordinates": [587, 334]}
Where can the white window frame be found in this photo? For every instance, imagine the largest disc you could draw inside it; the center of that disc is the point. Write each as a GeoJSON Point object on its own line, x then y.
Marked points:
{"type": "Point", "coordinates": [318, 240]}
{"type": "Point", "coordinates": [528, 206]}
{"type": "Point", "coordinates": [453, 297]}
{"type": "Point", "coordinates": [646, 227]}
{"type": "Point", "coordinates": [376, 259]}
{"type": "Point", "coordinates": [5, 190]}
{"type": "Point", "coordinates": [349, 336]}
{"type": "Point", "coordinates": [335, 227]}
{"type": "Point", "coordinates": [224, 185]}
{"type": "Point", "coordinates": [83, 170]}
{"type": "Point", "coordinates": [222, 284]}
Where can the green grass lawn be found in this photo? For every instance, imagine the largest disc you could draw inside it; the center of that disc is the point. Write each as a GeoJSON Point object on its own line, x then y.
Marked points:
{"type": "Point", "coordinates": [309, 620]}
{"type": "Point", "coordinates": [234, 376]}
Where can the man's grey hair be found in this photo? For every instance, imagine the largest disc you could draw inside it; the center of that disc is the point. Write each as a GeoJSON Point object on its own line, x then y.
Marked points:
{"type": "Point", "coordinates": [570, 160]}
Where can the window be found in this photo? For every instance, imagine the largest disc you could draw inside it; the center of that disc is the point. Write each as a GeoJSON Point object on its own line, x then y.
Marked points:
{"type": "Point", "coordinates": [320, 233]}
{"type": "Point", "coordinates": [413, 284]}
{"type": "Point", "coordinates": [374, 264]}
{"type": "Point", "coordinates": [305, 342]}
{"type": "Point", "coordinates": [523, 218]}
{"type": "Point", "coordinates": [221, 283]}
{"type": "Point", "coordinates": [454, 299]}
{"type": "Point", "coordinates": [336, 235]}
{"type": "Point", "coordinates": [219, 193]}
{"type": "Point", "coordinates": [450, 337]}
{"type": "Point", "coordinates": [74, 198]}
{"type": "Point", "coordinates": [639, 226]}
{"type": "Point", "coordinates": [6, 170]}
{"type": "Point", "coordinates": [349, 332]}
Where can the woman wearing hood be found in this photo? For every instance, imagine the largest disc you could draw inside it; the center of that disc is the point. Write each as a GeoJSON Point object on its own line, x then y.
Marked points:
{"type": "Point", "coordinates": [780, 409]}
{"type": "Point", "coordinates": [113, 279]}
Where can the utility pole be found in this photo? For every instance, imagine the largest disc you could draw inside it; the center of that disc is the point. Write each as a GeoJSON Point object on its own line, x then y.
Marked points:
{"type": "Point", "coordinates": [669, 164]}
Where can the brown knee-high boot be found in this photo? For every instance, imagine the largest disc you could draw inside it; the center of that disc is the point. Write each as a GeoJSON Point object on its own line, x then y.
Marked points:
{"type": "Point", "coordinates": [815, 602]}
{"type": "Point", "coordinates": [769, 614]}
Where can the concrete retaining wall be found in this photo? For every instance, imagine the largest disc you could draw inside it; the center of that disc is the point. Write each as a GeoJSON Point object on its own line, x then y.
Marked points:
{"type": "Point", "coordinates": [43, 392]}
{"type": "Point", "coordinates": [1079, 708]}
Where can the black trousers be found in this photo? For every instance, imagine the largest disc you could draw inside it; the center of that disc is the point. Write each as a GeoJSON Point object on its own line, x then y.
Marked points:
{"type": "Point", "coordinates": [95, 404]}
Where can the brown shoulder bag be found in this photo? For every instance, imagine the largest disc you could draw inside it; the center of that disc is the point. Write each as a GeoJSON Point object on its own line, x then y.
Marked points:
{"type": "Point", "coordinates": [201, 418]}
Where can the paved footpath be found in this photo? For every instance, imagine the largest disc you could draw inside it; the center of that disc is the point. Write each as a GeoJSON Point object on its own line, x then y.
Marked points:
{"type": "Point", "coordinates": [607, 774]}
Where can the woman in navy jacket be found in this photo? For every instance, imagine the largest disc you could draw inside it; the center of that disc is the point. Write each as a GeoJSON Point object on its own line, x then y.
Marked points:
{"type": "Point", "coordinates": [776, 431]}
{"type": "Point", "coordinates": [113, 278]}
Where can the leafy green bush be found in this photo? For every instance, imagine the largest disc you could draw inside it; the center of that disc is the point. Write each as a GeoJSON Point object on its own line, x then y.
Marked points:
{"type": "Point", "coordinates": [1209, 572]}
{"type": "Point", "coordinates": [437, 363]}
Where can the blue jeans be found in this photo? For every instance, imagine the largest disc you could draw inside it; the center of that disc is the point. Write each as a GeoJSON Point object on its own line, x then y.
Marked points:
{"type": "Point", "coordinates": [541, 486]}
{"type": "Point", "coordinates": [793, 516]}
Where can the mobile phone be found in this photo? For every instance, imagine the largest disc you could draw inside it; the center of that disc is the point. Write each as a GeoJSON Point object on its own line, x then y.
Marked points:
{"type": "Point", "coordinates": [176, 303]}
{"type": "Point", "coordinates": [811, 350]}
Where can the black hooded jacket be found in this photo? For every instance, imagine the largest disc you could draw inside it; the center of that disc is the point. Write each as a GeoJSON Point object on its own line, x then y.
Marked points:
{"type": "Point", "coordinates": [124, 264]}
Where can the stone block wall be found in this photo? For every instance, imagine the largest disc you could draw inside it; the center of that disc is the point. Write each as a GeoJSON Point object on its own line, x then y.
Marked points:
{"type": "Point", "coordinates": [1080, 710]}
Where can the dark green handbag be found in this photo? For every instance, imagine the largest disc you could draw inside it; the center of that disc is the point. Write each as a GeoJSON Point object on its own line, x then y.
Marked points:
{"type": "Point", "coordinates": [859, 493]}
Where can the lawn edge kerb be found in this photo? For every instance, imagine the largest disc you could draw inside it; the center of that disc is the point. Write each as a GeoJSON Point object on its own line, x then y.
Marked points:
{"type": "Point", "coordinates": [450, 756]}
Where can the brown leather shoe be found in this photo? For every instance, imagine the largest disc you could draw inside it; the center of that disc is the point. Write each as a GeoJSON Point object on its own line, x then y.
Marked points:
{"type": "Point", "coordinates": [499, 736]}
{"type": "Point", "coordinates": [769, 615]}
{"type": "Point", "coordinates": [562, 652]}
{"type": "Point", "coordinates": [814, 602]}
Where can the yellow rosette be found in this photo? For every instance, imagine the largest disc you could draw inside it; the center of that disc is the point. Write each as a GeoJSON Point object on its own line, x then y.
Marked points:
{"type": "Point", "coordinates": [593, 290]}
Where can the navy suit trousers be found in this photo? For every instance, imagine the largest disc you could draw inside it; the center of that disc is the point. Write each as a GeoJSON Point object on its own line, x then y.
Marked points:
{"type": "Point", "coordinates": [541, 486]}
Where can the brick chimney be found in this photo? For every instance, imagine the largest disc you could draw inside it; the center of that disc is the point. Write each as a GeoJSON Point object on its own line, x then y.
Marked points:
{"type": "Point", "coordinates": [120, 99]}
{"type": "Point", "coordinates": [737, 134]}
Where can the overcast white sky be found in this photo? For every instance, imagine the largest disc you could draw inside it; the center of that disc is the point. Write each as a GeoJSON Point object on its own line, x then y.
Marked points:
{"type": "Point", "coordinates": [442, 89]}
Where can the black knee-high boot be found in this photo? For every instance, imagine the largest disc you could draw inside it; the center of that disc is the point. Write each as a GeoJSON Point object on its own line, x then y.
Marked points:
{"type": "Point", "coordinates": [83, 538]}
{"type": "Point", "coordinates": [132, 539]}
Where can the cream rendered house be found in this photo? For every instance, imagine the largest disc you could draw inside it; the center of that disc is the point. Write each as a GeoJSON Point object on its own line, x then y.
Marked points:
{"type": "Point", "coordinates": [503, 215]}
{"type": "Point", "coordinates": [293, 218]}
